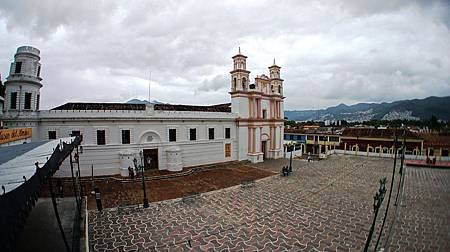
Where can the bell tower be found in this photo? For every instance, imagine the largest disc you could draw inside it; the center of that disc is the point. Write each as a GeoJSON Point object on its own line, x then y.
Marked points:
{"type": "Point", "coordinates": [276, 83]}
{"type": "Point", "coordinates": [259, 112]}
{"type": "Point", "coordinates": [24, 81]}
{"type": "Point", "coordinates": [239, 74]}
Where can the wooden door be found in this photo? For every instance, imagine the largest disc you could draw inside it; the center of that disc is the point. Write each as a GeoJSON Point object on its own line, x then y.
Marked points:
{"type": "Point", "coordinates": [151, 159]}
{"type": "Point", "coordinates": [263, 148]}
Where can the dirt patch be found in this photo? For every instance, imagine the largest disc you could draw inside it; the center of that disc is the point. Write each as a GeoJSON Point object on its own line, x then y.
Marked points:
{"type": "Point", "coordinates": [116, 194]}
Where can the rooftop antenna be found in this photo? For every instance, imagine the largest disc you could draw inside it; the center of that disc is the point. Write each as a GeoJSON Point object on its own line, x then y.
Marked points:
{"type": "Point", "coordinates": [149, 87]}
{"type": "Point", "coordinates": [274, 61]}
{"type": "Point", "coordinates": [239, 50]}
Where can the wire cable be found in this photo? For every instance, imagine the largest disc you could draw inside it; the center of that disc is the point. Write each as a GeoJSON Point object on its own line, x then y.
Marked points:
{"type": "Point", "coordinates": [390, 192]}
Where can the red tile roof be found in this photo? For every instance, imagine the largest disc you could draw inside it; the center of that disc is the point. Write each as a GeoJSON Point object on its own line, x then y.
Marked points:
{"type": "Point", "coordinates": [435, 140]}
{"type": "Point", "coordinates": [377, 133]}
{"type": "Point", "coordinates": [226, 107]}
{"type": "Point", "coordinates": [129, 106]}
{"type": "Point", "coordinates": [99, 106]}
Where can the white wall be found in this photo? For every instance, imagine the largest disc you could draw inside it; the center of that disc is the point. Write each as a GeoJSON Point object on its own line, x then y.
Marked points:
{"type": "Point", "coordinates": [243, 143]}
{"type": "Point", "coordinates": [107, 159]}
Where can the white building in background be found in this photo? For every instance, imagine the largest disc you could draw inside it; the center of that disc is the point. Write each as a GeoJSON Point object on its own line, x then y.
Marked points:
{"type": "Point", "coordinates": [170, 137]}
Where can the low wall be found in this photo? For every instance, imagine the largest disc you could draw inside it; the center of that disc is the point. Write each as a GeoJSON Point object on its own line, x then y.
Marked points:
{"type": "Point", "coordinates": [382, 155]}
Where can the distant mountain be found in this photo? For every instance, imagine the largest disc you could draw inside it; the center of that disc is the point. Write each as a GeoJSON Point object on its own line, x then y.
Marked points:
{"type": "Point", "coordinates": [137, 101]}
{"type": "Point", "coordinates": [415, 109]}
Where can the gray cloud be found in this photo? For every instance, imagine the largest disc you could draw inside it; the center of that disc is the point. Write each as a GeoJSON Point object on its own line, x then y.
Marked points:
{"type": "Point", "coordinates": [219, 82]}
{"type": "Point", "coordinates": [330, 52]}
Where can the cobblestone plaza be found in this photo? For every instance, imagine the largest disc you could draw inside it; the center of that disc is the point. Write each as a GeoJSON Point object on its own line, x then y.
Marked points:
{"type": "Point", "coordinates": [322, 206]}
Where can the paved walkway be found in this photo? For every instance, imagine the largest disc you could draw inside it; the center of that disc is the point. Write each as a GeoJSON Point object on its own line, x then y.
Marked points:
{"type": "Point", "coordinates": [423, 219]}
{"type": "Point", "coordinates": [324, 205]}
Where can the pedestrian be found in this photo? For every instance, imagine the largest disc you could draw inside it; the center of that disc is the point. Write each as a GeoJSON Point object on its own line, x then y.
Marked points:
{"type": "Point", "coordinates": [98, 199]}
{"type": "Point", "coordinates": [131, 172]}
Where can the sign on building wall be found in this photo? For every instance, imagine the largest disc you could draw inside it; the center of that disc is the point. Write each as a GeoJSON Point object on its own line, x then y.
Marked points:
{"type": "Point", "coordinates": [11, 135]}
{"type": "Point", "coordinates": [228, 150]}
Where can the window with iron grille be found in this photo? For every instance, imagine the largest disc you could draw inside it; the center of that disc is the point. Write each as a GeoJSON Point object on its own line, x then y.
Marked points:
{"type": "Point", "coordinates": [13, 103]}
{"type": "Point", "coordinates": [27, 104]}
{"type": "Point", "coordinates": [75, 133]}
{"type": "Point", "coordinates": [38, 97]}
{"type": "Point", "coordinates": [126, 136]}
{"type": "Point", "coordinates": [51, 134]}
{"type": "Point", "coordinates": [172, 135]}
{"type": "Point", "coordinates": [227, 133]}
{"type": "Point", "coordinates": [192, 134]}
{"type": "Point", "coordinates": [211, 133]}
{"type": "Point", "coordinates": [18, 67]}
{"type": "Point", "coordinates": [101, 137]}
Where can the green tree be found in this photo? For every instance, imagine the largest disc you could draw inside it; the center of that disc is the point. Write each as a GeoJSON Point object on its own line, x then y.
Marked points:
{"type": "Point", "coordinates": [2, 88]}
{"type": "Point", "coordinates": [434, 123]}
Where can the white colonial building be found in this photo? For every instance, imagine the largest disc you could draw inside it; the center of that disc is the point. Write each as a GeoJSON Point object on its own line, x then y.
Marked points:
{"type": "Point", "coordinates": [169, 137]}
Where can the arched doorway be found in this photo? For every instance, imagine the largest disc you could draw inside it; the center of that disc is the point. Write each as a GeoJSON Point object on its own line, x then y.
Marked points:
{"type": "Point", "coordinates": [150, 154]}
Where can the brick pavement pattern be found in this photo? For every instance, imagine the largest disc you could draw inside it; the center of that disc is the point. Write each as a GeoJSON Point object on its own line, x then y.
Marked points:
{"type": "Point", "coordinates": [423, 219]}
{"type": "Point", "coordinates": [322, 206]}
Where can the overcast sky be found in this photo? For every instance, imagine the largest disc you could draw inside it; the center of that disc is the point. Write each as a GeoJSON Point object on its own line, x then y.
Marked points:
{"type": "Point", "coordinates": [330, 51]}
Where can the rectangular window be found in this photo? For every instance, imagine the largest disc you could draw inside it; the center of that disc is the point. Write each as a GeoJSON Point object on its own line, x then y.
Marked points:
{"type": "Point", "coordinates": [38, 71]}
{"type": "Point", "coordinates": [211, 133]}
{"type": "Point", "coordinates": [310, 137]}
{"type": "Point", "coordinates": [101, 138]}
{"type": "Point", "coordinates": [445, 152]}
{"type": "Point", "coordinates": [172, 135]}
{"type": "Point", "coordinates": [323, 138]}
{"type": "Point", "coordinates": [13, 103]}
{"type": "Point", "coordinates": [227, 133]}
{"type": "Point", "coordinates": [126, 136]}
{"type": "Point", "coordinates": [27, 104]}
{"type": "Point", "coordinates": [264, 113]}
{"type": "Point", "coordinates": [38, 97]}
{"type": "Point", "coordinates": [291, 137]}
{"type": "Point", "coordinates": [52, 134]}
{"type": "Point", "coordinates": [18, 67]}
{"type": "Point", "coordinates": [75, 133]}
{"type": "Point", "coordinates": [333, 139]}
{"type": "Point", "coordinates": [192, 134]}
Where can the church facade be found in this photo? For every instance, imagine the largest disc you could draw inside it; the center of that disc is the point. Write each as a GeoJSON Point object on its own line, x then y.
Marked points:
{"type": "Point", "coordinates": [159, 136]}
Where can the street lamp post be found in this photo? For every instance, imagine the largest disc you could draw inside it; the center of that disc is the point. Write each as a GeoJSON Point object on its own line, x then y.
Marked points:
{"type": "Point", "coordinates": [290, 162]}
{"type": "Point", "coordinates": [290, 148]}
{"type": "Point", "coordinates": [141, 168]}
